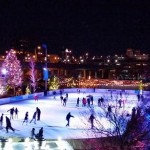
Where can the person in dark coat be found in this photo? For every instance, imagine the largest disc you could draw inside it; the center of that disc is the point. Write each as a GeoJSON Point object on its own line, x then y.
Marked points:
{"type": "Point", "coordinates": [61, 98]}
{"type": "Point", "coordinates": [33, 133]}
{"type": "Point", "coordinates": [34, 118]}
{"type": "Point", "coordinates": [88, 101]}
{"type": "Point", "coordinates": [92, 99]}
{"type": "Point", "coordinates": [109, 111]}
{"type": "Point", "coordinates": [64, 101]}
{"type": "Point", "coordinates": [102, 101]}
{"type": "Point", "coordinates": [133, 116]}
{"type": "Point", "coordinates": [16, 112]}
{"type": "Point", "coordinates": [60, 92]}
{"type": "Point", "coordinates": [78, 102]}
{"type": "Point", "coordinates": [68, 118]}
{"type": "Point", "coordinates": [91, 119]}
{"type": "Point", "coordinates": [40, 134]}
{"type": "Point", "coordinates": [11, 112]}
{"type": "Point", "coordinates": [138, 96]}
{"type": "Point", "coordinates": [1, 120]}
{"type": "Point", "coordinates": [26, 118]}
{"type": "Point", "coordinates": [99, 102]}
{"type": "Point", "coordinates": [120, 103]}
{"type": "Point", "coordinates": [38, 113]}
{"type": "Point", "coordinates": [54, 94]}
{"type": "Point", "coordinates": [8, 125]}
{"type": "Point", "coordinates": [67, 96]}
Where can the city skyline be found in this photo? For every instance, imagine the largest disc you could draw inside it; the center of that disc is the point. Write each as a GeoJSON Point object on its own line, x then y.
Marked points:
{"type": "Point", "coordinates": [98, 27]}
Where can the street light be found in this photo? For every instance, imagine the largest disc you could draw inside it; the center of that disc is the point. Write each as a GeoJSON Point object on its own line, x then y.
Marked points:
{"type": "Point", "coordinates": [45, 69]}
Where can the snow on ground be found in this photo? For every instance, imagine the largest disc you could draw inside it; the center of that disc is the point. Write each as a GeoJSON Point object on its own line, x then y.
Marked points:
{"type": "Point", "coordinates": [53, 115]}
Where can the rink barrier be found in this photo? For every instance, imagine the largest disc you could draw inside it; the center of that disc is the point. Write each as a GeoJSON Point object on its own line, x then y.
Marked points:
{"type": "Point", "coordinates": [20, 98]}
{"type": "Point", "coordinates": [71, 90]}
{"type": "Point", "coordinates": [91, 90]}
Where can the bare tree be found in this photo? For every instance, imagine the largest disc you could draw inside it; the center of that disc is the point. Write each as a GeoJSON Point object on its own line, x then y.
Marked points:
{"type": "Point", "coordinates": [118, 130]}
{"type": "Point", "coordinates": [33, 74]}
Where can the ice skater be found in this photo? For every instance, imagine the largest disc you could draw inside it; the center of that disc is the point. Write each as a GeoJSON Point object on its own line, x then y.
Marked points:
{"type": "Point", "coordinates": [33, 133]}
{"type": "Point", "coordinates": [91, 119]}
{"type": "Point", "coordinates": [60, 93]}
{"type": "Point", "coordinates": [34, 118]}
{"type": "Point", "coordinates": [68, 118]}
{"type": "Point", "coordinates": [99, 102]}
{"type": "Point", "coordinates": [16, 112]}
{"type": "Point", "coordinates": [120, 103]}
{"type": "Point", "coordinates": [8, 125]}
{"type": "Point", "coordinates": [11, 112]}
{"type": "Point", "coordinates": [88, 101]}
{"type": "Point", "coordinates": [36, 98]}
{"type": "Point", "coordinates": [38, 113]}
{"type": "Point", "coordinates": [102, 101]}
{"type": "Point", "coordinates": [84, 102]}
{"type": "Point", "coordinates": [67, 96]}
{"type": "Point", "coordinates": [61, 98]}
{"type": "Point", "coordinates": [26, 118]}
{"type": "Point", "coordinates": [64, 101]}
{"type": "Point", "coordinates": [78, 102]}
{"type": "Point", "coordinates": [40, 134]}
{"type": "Point", "coordinates": [1, 121]}
{"type": "Point", "coordinates": [109, 111]}
{"type": "Point", "coordinates": [92, 100]}
{"type": "Point", "coordinates": [54, 94]}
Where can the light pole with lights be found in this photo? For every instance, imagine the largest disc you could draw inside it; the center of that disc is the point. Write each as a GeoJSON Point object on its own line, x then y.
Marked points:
{"type": "Point", "coordinates": [45, 70]}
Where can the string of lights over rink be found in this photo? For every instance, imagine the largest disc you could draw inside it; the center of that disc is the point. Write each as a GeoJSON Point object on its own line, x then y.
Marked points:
{"type": "Point", "coordinates": [53, 115]}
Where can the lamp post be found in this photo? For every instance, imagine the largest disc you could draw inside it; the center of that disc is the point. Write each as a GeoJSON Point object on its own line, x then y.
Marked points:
{"type": "Point", "coordinates": [45, 69]}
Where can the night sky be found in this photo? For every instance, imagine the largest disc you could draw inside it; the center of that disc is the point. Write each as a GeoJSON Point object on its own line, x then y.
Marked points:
{"type": "Point", "coordinates": [100, 27]}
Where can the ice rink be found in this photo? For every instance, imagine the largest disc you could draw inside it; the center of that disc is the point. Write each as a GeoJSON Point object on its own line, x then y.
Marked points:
{"type": "Point", "coordinates": [53, 115]}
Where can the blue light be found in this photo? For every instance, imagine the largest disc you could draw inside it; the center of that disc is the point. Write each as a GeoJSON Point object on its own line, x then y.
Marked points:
{"type": "Point", "coordinates": [45, 74]}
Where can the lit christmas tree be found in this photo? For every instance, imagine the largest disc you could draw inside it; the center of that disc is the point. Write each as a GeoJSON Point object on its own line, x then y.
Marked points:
{"type": "Point", "coordinates": [53, 83]}
{"type": "Point", "coordinates": [28, 90]}
{"type": "Point", "coordinates": [13, 68]}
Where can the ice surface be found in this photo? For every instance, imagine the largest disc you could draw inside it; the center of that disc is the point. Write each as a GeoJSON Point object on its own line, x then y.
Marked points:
{"type": "Point", "coordinates": [53, 115]}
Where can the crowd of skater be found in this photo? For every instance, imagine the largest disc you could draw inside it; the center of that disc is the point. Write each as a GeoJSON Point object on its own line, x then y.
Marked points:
{"type": "Point", "coordinates": [13, 114]}
{"type": "Point", "coordinates": [86, 101]}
